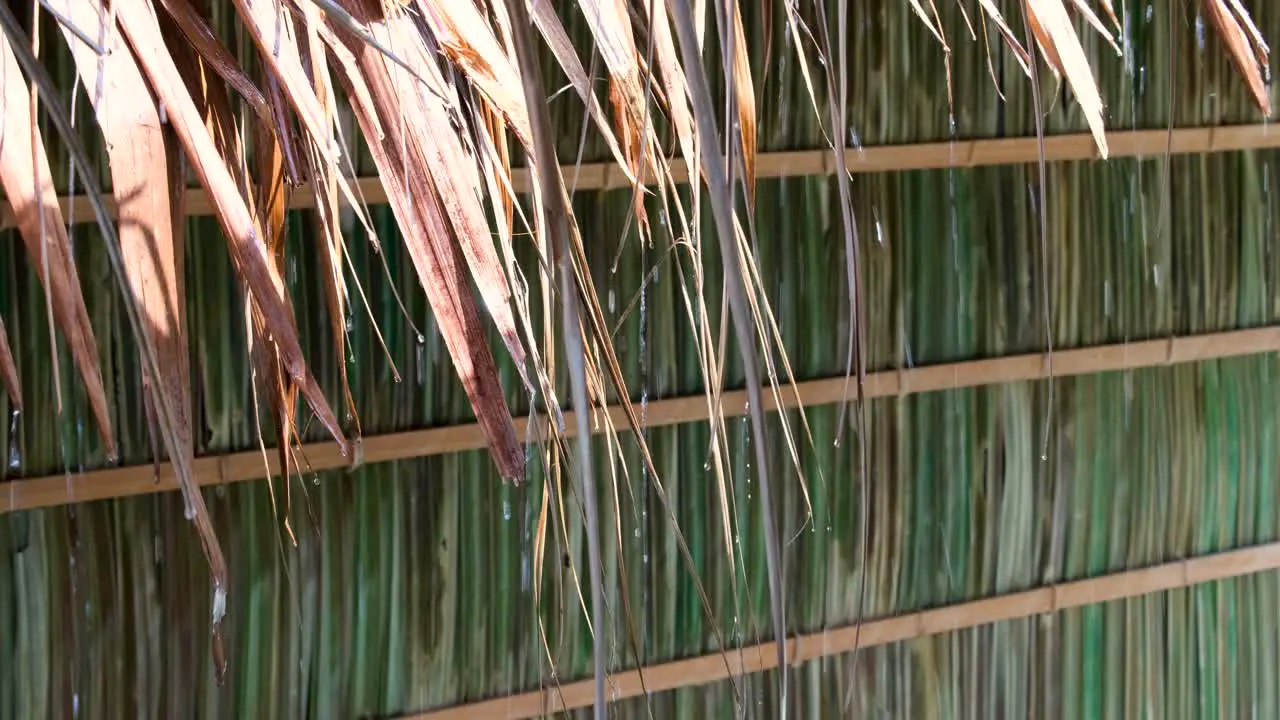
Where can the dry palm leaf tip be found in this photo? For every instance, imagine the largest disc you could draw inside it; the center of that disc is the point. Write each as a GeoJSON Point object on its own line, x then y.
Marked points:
{"type": "Point", "coordinates": [445, 97]}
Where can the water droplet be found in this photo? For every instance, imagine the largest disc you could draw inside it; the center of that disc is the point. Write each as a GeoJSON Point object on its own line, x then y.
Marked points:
{"type": "Point", "coordinates": [875, 211]}
{"type": "Point", "coordinates": [420, 354]}
{"type": "Point", "coordinates": [15, 456]}
{"type": "Point", "coordinates": [219, 602]}
{"type": "Point", "coordinates": [315, 480]}
{"type": "Point", "coordinates": [506, 510]}
{"type": "Point", "coordinates": [422, 339]}
{"type": "Point", "coordinates": [613, 301]}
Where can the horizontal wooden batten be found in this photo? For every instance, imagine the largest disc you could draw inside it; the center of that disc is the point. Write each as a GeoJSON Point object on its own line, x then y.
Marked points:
{"type": "Point", "coordinates": [713, 667]}
{"type": "Point", "coordinates": [57, 490]}
{"type": "Point", "coordinates": [868, 159]}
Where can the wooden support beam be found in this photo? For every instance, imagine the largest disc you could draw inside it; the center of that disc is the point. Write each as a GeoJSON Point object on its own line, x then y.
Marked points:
{"type": "Point", "coordinates": [712, 667]}
{"type": "Point", "coordinates": [54, 490]}
{"type": "Point", "coordinates": [870, 159]}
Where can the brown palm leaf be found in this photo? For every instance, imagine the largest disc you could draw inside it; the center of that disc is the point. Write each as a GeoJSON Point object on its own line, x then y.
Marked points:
{"type": "Point", "coordinates": [188, 19]}
{"type": "Point", "coordinates": [9, 371]}
{"type": "Point", "coordinates": [1056, 36]}
{"type": "Point", "coordinates": [152, 247]}
{"type": "Point", "coordinates": [130, 123]}
{"type": "Point", "coordinates": [27, 181]}
{"type": "Point", "coordinates": [1248, 51]}
{"type": "Point", "coordinates": [454, 173]}
{"type": "Point", "coordinates": [415, 200]}
{"type": "Point", "coordinates": [243, 237]}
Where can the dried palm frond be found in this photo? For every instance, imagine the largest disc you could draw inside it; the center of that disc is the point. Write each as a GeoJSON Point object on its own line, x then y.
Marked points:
{"type": "Point", "coordinates": [27, 181]}
{"type": "Point", "coordinates": [1249, 51]}
{"type": "Point", "coordinates": [1060, 45]}
{"type": "Point", "coordinates": [9, 371]}
{"type": "Point", "coordinates": [445, 100]}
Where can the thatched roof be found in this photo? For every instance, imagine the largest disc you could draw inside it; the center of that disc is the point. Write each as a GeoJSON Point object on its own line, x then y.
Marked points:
{"type": "Point", "coordinates": [408, 576]}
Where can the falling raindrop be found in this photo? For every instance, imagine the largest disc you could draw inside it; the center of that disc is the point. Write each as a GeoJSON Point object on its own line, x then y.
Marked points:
{"type": "Point", "coordinates": [506, 510]}
{"type": "Point", "coordinates": [644, 360]}
{"type": "Point", "coordinates": [15, 456]}
{"type": "Point", "coordinates": [420, 355]}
